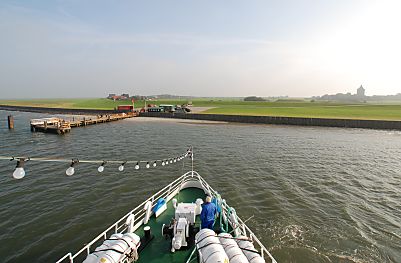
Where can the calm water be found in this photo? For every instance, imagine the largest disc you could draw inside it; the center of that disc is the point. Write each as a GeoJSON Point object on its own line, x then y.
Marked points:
{"type": "Point", "coordinates": [317, 194]}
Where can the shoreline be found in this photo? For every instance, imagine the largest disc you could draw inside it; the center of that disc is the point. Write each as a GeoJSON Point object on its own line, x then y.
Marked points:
{"type": "Point", "coordinates": [296, 121]}
{"type": "Point", "coordinates": [173, 120]}
{"type": "Point", "coordinates": [221, 118]}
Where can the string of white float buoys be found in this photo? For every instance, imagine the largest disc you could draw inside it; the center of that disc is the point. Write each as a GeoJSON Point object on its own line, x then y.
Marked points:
{"type": "Point", "coordinates": [19, 171]}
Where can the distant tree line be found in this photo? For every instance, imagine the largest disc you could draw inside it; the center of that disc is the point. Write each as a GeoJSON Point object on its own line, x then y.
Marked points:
{"type": "Point", "coordinates": [358, 97]}
{"type": "Point", "coordinates": [254, 98]}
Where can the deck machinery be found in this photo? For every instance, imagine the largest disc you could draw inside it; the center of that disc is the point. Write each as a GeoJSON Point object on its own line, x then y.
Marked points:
{"type": "Point", "coordinates": [182, 228]}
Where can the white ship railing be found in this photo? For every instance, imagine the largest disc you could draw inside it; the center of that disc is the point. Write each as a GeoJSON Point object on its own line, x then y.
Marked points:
{"type": "Point", "coordinates": [245, 230]}
{"type": "Point", "coordinates": [168, 192]}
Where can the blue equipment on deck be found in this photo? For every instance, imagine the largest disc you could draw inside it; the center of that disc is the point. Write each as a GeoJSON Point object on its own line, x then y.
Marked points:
{"type": "Point", "coordinates": [160, 203]}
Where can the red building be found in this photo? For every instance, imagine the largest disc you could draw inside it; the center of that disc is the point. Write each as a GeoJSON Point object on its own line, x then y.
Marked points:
{"type": "Point", "coordinates": [125, 108]}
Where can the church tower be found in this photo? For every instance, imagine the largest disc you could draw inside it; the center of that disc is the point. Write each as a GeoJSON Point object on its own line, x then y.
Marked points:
{"type": "Point", "coordinates": [360, 92]}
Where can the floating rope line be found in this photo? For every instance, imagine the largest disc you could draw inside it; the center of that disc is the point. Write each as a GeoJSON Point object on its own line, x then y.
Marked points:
{"type": "Point", "coordinates": [19, 171]}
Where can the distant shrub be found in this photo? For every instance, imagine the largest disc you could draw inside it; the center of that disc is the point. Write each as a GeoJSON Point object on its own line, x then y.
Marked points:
{"type": "Point", "coordinates": [290, 100]}
{"type": "Point", "coordinates": [254, 98]}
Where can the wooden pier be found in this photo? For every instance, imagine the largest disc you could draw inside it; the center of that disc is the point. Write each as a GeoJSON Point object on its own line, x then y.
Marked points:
{"type": "Point", "coordinates": [62, 126]}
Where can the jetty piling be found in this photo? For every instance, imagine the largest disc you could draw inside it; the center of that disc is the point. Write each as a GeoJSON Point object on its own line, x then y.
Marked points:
{"type": "Point", "coordinates": [10, 120]}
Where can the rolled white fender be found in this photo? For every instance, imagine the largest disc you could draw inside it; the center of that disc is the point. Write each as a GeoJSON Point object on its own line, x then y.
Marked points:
{"type": "Point", "coordinates": [130, 223]}
{"type": "Point", "coordinates": [174, 201]}
{"type": "Point", "coordinates": [198, 208]}
{"type": "Point", "coordinates": [209, 247]}
{"type": "Point", "coordinates": [234, 222]}
{"type": "Point", "coordinates": [252, 257]}
{"type": "Point", "coordinates": [148, 209]}
{"type": "Point", "coordinates": [231, 248]}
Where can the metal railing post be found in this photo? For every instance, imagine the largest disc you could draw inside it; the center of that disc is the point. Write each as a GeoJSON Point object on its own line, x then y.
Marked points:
{"type": "Point", "coordinates": [169, 191]}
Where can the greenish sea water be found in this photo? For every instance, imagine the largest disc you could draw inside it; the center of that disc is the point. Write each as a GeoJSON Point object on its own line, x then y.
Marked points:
{"type": "Point", "coordinates": [317, 194]}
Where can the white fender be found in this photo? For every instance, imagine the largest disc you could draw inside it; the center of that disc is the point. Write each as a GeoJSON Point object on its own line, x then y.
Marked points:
{"type": "Point", "coordinates": [198, 208]}
{"type": "Point", "coordinates": [130, 223]}
{"type": "Point", "coordinates": [148, 209]}
{"type": "Point", "coordinates": [234, 222]}
{"type": "Point", "coordinates": [174, 201]}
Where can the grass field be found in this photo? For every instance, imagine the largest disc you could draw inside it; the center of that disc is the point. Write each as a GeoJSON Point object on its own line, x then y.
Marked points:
{"type": "Point", "coordinates": [290, 108]}
{"type": "Point", "coordinates": [106, 104]}
{"type": "Point", "coordinates": [366, 111]}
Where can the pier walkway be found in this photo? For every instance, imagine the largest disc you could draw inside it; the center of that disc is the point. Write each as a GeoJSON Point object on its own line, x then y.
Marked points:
{"type": "Point", "coordinates": [62, 126]}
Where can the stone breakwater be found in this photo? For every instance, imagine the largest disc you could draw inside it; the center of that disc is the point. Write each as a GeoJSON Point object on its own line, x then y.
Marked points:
{"type": "Point", "coordinates": [343, 123]}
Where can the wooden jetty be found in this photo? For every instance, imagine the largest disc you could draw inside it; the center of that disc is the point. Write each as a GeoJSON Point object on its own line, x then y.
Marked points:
{"type": "Point", "coordinates": [62, 126]}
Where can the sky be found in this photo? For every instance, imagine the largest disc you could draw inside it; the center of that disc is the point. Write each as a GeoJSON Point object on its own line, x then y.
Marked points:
{"type": "Point", "coordinates": [90, 48]}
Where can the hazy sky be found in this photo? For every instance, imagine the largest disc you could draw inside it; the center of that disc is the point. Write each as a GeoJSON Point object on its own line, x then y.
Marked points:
{"type": "Point", "coordinates": [88, 48]}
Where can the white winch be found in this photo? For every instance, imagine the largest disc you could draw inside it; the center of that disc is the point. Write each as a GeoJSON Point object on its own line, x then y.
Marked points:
{"type": "Point", "coordinates": [180, 234]}
{"type": "Point", "coordinates": [186, 210]}
{"type": "Point", "coordinates": [181, 229]}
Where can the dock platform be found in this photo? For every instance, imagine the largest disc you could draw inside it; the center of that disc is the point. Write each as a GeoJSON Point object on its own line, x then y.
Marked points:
{"type": "Point", "coordinates": [62, 126]}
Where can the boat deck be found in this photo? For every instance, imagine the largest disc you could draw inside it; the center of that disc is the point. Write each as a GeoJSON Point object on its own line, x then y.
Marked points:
{"type": "Point", "coordinates": [159, 249]}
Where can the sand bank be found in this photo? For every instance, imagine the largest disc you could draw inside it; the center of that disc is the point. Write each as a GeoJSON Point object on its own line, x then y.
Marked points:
{"type": "Point", "coordinates": [152, 119]}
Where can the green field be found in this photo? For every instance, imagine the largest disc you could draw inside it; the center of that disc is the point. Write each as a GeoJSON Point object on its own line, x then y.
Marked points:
{"type": "Point", "coordinates": [69, 103]}
{"type": "Point", "coordinates": [106, 104]}
{"type": "Point", "coordinates": [288, 108]}
{"type": "Point", "coordinates": [315, 110]}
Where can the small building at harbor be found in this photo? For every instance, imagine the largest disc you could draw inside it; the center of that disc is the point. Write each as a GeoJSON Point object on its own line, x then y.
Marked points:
{"type": "Point", "coordinates": [125, 107]}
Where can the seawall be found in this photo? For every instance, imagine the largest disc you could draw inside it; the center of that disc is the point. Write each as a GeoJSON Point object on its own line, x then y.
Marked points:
{"type": "Point", "coordinates": [58, 110]}
{"type": "Point", "coordinates": [343, 123]}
